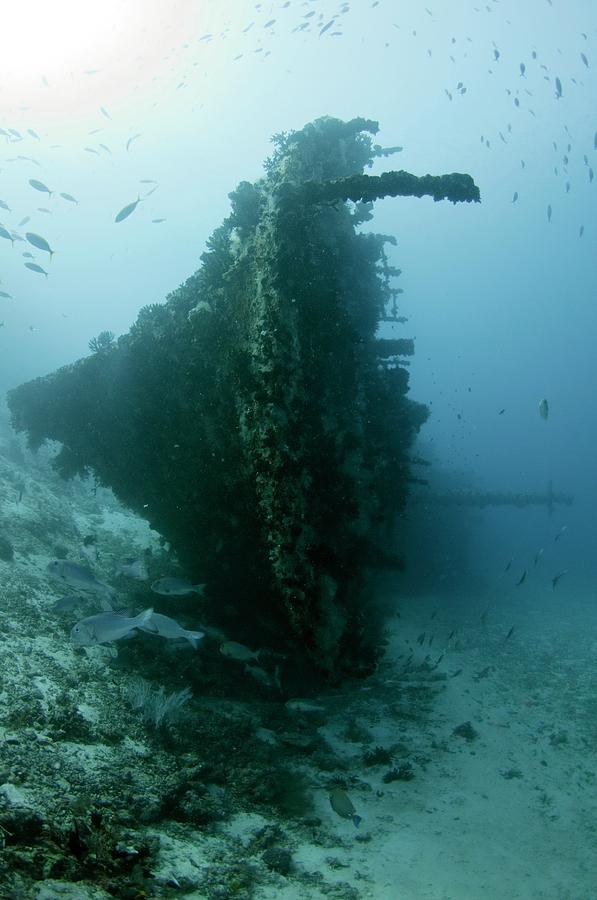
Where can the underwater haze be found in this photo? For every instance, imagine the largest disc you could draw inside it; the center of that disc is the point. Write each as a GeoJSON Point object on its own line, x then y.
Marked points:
{"type": "Point", "coordinates": [452, 755]}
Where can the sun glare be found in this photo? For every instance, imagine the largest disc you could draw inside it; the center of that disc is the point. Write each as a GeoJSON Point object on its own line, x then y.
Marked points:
{"type": "Point", "coordinates": [42, 39]}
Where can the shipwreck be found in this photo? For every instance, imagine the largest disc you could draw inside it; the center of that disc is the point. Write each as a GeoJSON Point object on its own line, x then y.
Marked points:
{"type": "Point", "coordinates": [256, 418]}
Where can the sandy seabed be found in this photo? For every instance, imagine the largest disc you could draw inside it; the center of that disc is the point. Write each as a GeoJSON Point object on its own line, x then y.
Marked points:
{"type": "Point", "coordinates": [471, 757]}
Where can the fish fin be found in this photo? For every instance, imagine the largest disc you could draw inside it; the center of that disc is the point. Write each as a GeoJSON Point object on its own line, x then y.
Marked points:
{"type": "Point", "coordinates": [143, 619]}
{"type": "Point", "coordinates": [357, 820]}
{"type": "Point", "coordinates": [194, 637]}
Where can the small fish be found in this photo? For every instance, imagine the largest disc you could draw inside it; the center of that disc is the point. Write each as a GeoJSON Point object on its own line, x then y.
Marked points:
{"type": "Point", "coordinates": [421, 639]}
{"type": "Point", "coordinates": [509, 635]}
{"type": "Point", "coordinates": [4, 205]}
{"type": "Point", "coordinates": [538, 556]}
{"type": "Point", "coordinates": [484, 673]}
{"type": "Point", "coordinates": [44, 209]}
{"type": "Point", "coordinates": [91, 150]}
{"type": "Point", "coordinates": [558, 88]}
{"type": "Point", "coordinates": [131, 139]}
{"type": "Point", "coordinates": [549, 213]}
{"type": "Point", "coordinates": [127, 210]}
{"type": "Point", "coordinates": [581, 231]}
{"type": "Point", "coordinates": [35, 268]}
{"type": "Point", "coordinates": [234, 650]}
{"type": "Point", "coordinates": [24, 221]}
{"type": "Point", "coordinates": [133, 568]}
{"type": "Point", "coordinates": [79, 577]}
{"type": "Point", "coordinates": [522, 68]}
{"type": "Point", "coordinates": [176, 587]}
{"type": "Point", "coordinates": [28, 255]}
{"type": "Point", "coordinates": [562, 530]}
{"type": "Point", "coordinates": [521, 579]}
{"type": "Point", "coordinates": [68, 197]}
{"type": "Point", "coordinates": [69, 603]}
{"type": "Point", "coordinates": [515, 197]}
{"type": "Point", "coordinates": [303, 706]}
{"type": "Point", "coordinates": [496, 54]}
{"type": "Point", "coordinates": [556, 578]}
{"type": "Point", "coordinates": [105, 112]}
{"type": "Point", "coordinates": [157, 221]}
{"type": "Point", "coordinates": [260, 675]}
{"type": "Point", "coordinates": [544, 409]}
{"type": "Point", "coordinates": [327, 26]}
{"type": "Point", "coordinates": [5, 295]}
{"type": "Point", "coordinates": [107, 626]}
{"type": "Point", "coordinates": [168, 628]}
{"type": "Point", "coordinates": [502, 411]}
{"type": "Point", "coordinates": [6, 234]}
{"type": "Point", "coordinates": [147, 181]}
{"type": "Point", "coordinates": [35, 135]}
{"type": "Point", "coordinates": [508, 564]}
{"type": "Point", "coordinates": [106, 148]}
{"type": "Point", "coordinates": [342, 805]}
{"type": "Point", "coordinates": [591, 175]}
{"type": "Point", "coordinates": [595, 141]}
{"type": "Point", "coordinates": [40, 186]}
{"type": "Point", "coordinates": [585, 60]}
{"type": "Point", "coordinates": [39, 243]}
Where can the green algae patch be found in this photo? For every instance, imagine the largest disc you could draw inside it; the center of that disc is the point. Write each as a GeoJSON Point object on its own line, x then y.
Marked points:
{"type": "Point", "coordinates": [254, 418]}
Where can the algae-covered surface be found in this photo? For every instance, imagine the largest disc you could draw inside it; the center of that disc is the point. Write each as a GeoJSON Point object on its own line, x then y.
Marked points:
{"type": "Point", "coordinates": [253, 418]}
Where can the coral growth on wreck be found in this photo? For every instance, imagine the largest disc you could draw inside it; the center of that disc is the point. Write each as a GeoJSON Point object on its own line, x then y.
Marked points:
{"type": "Point", "coordinates": [254, 418]}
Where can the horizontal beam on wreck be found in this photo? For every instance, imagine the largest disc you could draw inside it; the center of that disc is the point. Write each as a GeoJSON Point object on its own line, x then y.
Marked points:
{"type": "Point", "coordinates": [456, 187]}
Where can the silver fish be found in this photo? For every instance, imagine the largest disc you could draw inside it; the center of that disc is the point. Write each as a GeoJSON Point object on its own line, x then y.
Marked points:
{"type": "Point", "coordinates": [68, 197]}
{"type": "Point", "coordinates": [35, 268]}
{"type": "Point", "coordinates": [6, 234]}
{"type": "Point", "coordinates": [544, 409]}
{"type": "Point", "coordinates": [176, 587]}
{"type": "Point", "coordinates": [169, 628]}
{"type": "Point", "coordinates": [68, 603]}
{"type": "Point", "coordinates": [36, 240]}
{"type": "Point", "coordinates": [5, 205]}
{"type": "Point", "coordinates": [107, 626]}
{"type": "Point", "coordinates": [127, 210]}
{"type": "Point", "coordinates": [303, 706]}
{"type": "Point", "coordinates": [80, 577]}
{"type": "Point", "coordinates": [133, 568]}
{"type": "Point", "coordinates": [40, 186]}
{"type": "Point", "coordinates": [233, 650]}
